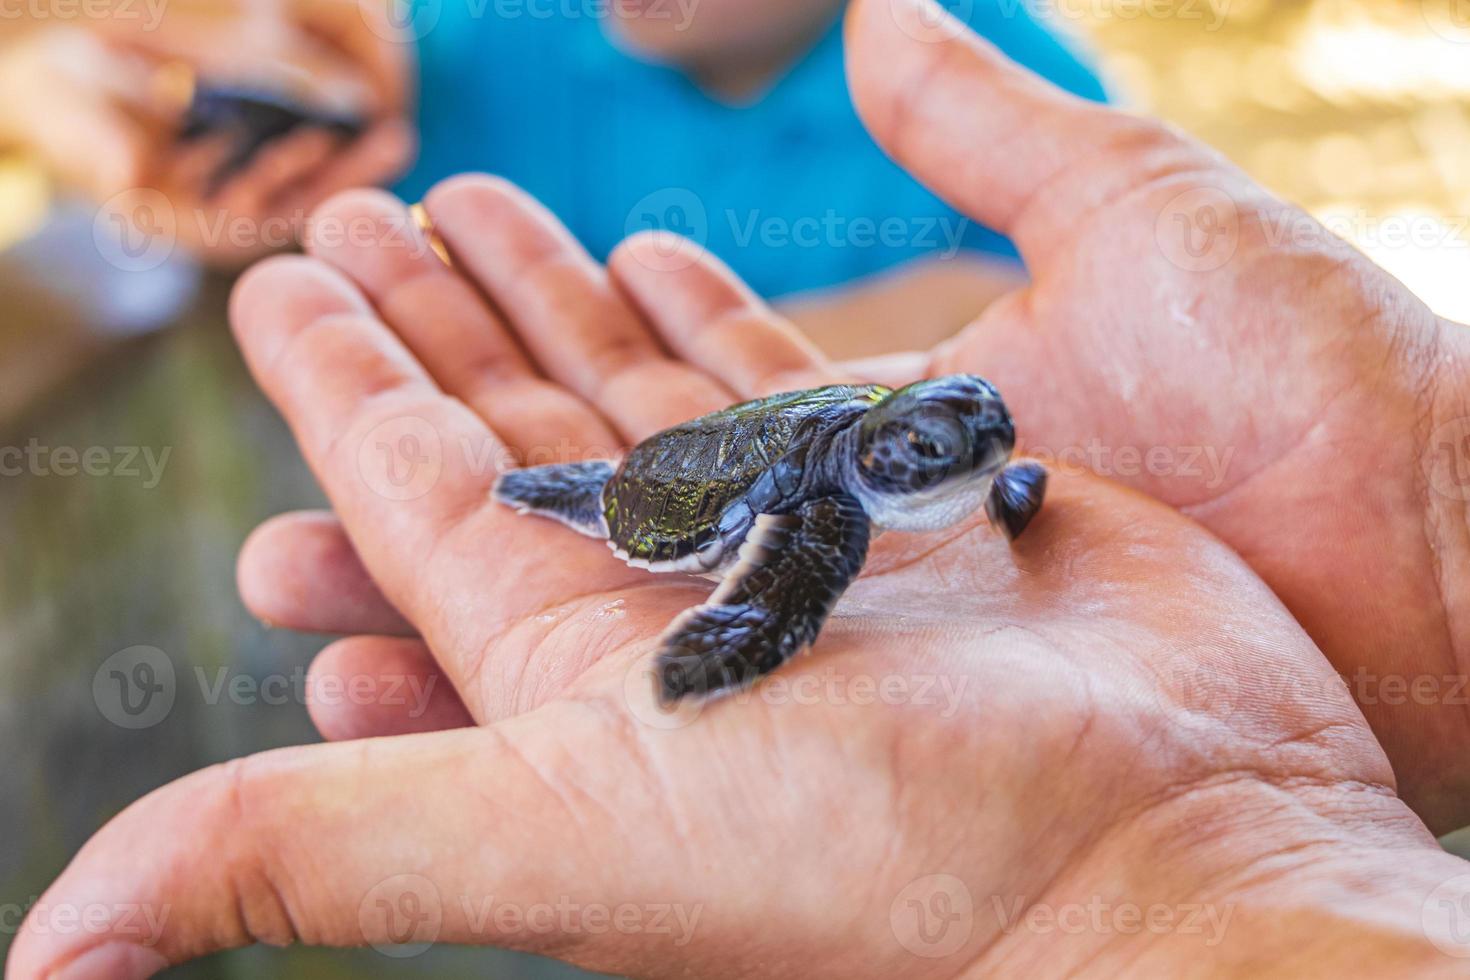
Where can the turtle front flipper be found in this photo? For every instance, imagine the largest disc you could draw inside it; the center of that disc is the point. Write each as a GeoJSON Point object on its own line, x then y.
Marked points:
{"type": "Point", "coordinates": [772, 604]}
{"type": "Point", "coordinates": [1016, 496]}
{"type": "Point", "coordinates": [568, 492]}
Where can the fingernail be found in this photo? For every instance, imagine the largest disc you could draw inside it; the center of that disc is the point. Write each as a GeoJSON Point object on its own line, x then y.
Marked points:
{"type": "Point", "coordinates": [113, 961]}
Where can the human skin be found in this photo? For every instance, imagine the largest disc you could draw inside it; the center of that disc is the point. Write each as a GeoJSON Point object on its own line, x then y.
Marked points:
{"type": "Point", "coordinates": [1135, 719]}
{"type": "Point", "coordinates": [735, 50]}
{"type": "Point", "coordinates": [1298, 401]}
{"type": "Point", "coordinates": [734, 47]}
{"type": "Point", "coordinates": [86, 96]}
{"type": "Point", "coordinates": [1141, 722]}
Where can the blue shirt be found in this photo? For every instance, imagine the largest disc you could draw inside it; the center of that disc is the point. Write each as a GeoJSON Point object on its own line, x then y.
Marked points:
{"type": "Point", "coordinates": [790, 190]}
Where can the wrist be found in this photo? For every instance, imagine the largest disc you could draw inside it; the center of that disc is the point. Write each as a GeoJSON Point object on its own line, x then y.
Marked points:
{"type": "Point", "coordinates": [1246, 878]}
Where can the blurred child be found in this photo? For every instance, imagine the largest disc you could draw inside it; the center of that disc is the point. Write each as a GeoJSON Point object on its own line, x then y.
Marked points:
{"type": "Point", "coordinates": [729, 121]}
{"type": "Point", "coordinates": [726, 120]}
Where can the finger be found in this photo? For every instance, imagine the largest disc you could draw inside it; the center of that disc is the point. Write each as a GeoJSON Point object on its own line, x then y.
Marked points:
{"type": "Point", "coordinates": [300, 571]}
{"type": "Point", "coordinates": [277, 165]}
{"type": "Point", "coordinates": [190, 164]}
{"type": "Point", "coordinates": [893, 370]}
{"type": "Point", "coordinates": [84, 138]}
{"type": "Point", "coordinates": [376, 157]}
{"type": "Point", "coordinates": [384, 51]}
{"type": "Point", "coordinates": [406, 467]}
{"type": "Point", "coordinates": [1001, 144]}
{"type": "Point", "coordinates": [707, 316]}
{"type": "Point", "coordinates": [372, 686]}
{"type": "Point", "coordinates": [372, 237]}
{"type": "Point", "coordinates": [564, 308]}
{"type": "Point", "coordinates": [319, 844]}
{"type": "Point", "coordinates": [75, 104]}
{"type": "Point", "coordinates": [409, 471]}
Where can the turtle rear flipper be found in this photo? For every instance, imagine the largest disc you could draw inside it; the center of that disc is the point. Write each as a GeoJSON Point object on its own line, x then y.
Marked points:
{"type": "Point", "coordinates": [772, 604]}
{"type": "Point", "coordinates": [568, 492]}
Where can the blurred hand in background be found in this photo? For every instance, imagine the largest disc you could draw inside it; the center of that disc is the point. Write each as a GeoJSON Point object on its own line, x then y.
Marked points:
{"type": "Point", "coordinates": [101, 103]}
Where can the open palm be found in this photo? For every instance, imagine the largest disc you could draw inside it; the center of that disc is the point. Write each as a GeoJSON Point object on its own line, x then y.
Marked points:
{"type": "Point", "coordinates": [1186, 334]}
{"type": "Point", "coordinates": [979, 726]}
{"type": "Point", "coordinates": [980, 729]}
{"type": "Point", "coordinates": [1203, 341]}
{"type": "Point", "coordinates": [1199, 339]}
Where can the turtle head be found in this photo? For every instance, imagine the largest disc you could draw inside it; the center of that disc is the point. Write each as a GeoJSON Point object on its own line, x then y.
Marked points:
{"type": "Point", "coordinates": [927, 453]}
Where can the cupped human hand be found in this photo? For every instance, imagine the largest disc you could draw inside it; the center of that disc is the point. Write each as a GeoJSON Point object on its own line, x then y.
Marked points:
{"type": "Point", "coordinates": [1185, 333]}
{"type": "Point", "coordinates": [100, 101]}
{"type": "Point", "coordinates": [1194, 337]}
{"type": "Point", "coordinates": [1091, 718]}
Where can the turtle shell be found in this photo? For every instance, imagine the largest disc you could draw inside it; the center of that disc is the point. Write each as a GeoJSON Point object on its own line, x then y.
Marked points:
{"type": "Point", "coordinates": [667, 499]}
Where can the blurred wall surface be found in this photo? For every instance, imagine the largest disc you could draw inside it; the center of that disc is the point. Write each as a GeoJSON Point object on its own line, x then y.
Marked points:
{"type": "Point", "coordinates": [1357, 109]}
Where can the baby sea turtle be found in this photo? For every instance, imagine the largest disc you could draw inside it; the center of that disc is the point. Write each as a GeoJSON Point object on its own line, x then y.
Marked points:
{"type": "Point", "coordinates": [252, 119]}
{"type": "Point", "coordinates": [777, 498]}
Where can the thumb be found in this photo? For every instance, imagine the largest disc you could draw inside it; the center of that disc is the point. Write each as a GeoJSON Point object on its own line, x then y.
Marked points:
{"type": "Point", "coordinates": [382, 841]}
{"type": "Point", "coordinates": [996, 141]}
{"type": "Point", "coordinates": [73, 103]}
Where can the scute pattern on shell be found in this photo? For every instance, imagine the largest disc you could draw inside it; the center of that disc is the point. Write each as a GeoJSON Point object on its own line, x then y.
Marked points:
{"type": "Point", "coordinates": [668, 496]}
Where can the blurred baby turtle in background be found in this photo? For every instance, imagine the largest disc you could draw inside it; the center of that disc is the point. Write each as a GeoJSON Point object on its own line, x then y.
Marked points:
{"type": "Point", "coordinates": [249, 118]}
{"type": "Point", "coordinates": [776, 499]}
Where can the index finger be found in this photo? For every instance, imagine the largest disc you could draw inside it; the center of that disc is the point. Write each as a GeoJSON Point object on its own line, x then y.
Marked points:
{"type": "Point", "coordinates": [408, 469]}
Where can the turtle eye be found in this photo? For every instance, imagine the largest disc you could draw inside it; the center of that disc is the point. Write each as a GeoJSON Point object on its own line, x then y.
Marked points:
{"type": "Point", "coordinates": [925, 445]}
